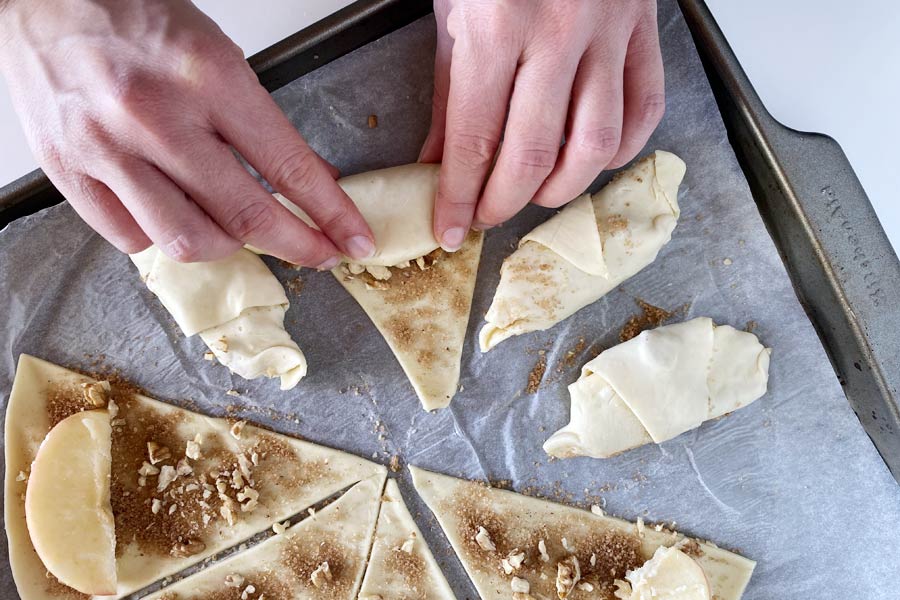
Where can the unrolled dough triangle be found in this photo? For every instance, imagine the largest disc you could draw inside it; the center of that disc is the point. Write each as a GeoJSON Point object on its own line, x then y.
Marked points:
{"type": "Point", "coordinates": [477, 518]}
{"type": "Point", "coordinates": [401, 564]}
{"type": "Point", "coordinates": [288, 474]}
{"type": "Point", "coordinates": [321, 557]}
{"type": "Point", "coordinates": [423, 314]}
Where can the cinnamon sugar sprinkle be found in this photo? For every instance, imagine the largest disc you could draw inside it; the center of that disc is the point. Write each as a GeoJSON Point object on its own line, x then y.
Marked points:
{"type": "Point", "coordinates": [651, 316]}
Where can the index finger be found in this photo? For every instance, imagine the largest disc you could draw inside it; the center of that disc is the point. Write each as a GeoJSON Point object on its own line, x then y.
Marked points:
{"type": "Point", "coordinates": [270, 143]}
{"type": "Point", "coordinates": [480, 84]}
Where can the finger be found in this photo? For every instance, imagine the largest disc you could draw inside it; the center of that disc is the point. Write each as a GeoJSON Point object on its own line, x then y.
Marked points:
{"type": "Point", "coordinates": [481, 81]}
{"type": "Point", "coordinates": [210, 174]}
{"type": "Point", "coordinates": [99, 207]}
{"type": "Point", "coordinates": [270, 143]}
{"type": "Point", "coordinates": [433, 148]}
{"type": "Point", "coordinates": [644, 87]}
{"type": "Point", "coordinates": [534, 131]}
{"type": "Point", "coordinates": [175, 224]}
{"type": "Point", "coordinates": [594, 126]}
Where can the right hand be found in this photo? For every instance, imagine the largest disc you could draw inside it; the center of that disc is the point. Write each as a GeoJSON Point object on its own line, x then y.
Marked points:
{"type": "Point", "coordinates": [132, 108]}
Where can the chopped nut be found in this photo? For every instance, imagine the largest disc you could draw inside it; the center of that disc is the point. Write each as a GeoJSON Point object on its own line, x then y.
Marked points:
{"type": "Point", "coordinates": [585, 586]}
{"type": "Point", "coordinates": [568, 573]}
{"type": "Point", "coordinates": [221, 344]}
{"type": "Point", "coordinates": [483, 539]}
{"type": "Point", "coordinates": [597, 510]}
{"type": "Point", "coordinates": [236, 428]}
{"type": "Point", "coordinates": [623, 589]}
{"type": "Point", "coordinates": [520, 585]}
{"type": "Point", "coordinates": [542, 548]}
{"type": "Point", "coordinates": [373, 121]}
{"type": "Point", "coordinates": [157, 453]}
{"type": "Point", "coordinates": [234, 580]}
{"type": "Point", "coordinates": [251, 496]}
{"type": "Point", "coordinates": [113, 409]}
{"type": "Point", "coordinates": [407, 546]}
{"type": "Point", "coordinates": [226, 511]}
{"type": "Point", "coordinates": [192, 448]}
{"type": "Point", "coordinates": [182, 468]}
{"type": "Point", "coordinates": [21, 476]}
{"type": "Point", "coordinates": [232, 393]}
{"type": "Point", "coordinates": [640, 527]}
{"type": "Point", "coordinates": [593, 560]}
{"type": "Point", "coordinates": [280, 528]}
{"type": "Point", "coordinates": [355, 268]}
{"type": "Point", "coordinates": [378, 272]}
{"type": "Point", "coordinates": [166, 476]}
{"type": "Point", "coordinates": [321, 575]}
{"type": "Point", "coordinates": [209, 356]}
{"type": "Point", "coordinates": [513, 561]}
{"type": "Point", "coordinates": [172, 508]}
{"type": "Point", "coordinates": [247, 591]}
{"type": "Point", "coordinates": [188, 548]}
{"type": "Point", "coordinates": [96, 392]}
{"type": "Point", "coordinates": [244, 466]}
{"type": "Point", "coordinates": [569, 548]}
{"type": "Point", "coordinates": [155, 505]}
{"type": "Point", "coordinates": [148, 469]}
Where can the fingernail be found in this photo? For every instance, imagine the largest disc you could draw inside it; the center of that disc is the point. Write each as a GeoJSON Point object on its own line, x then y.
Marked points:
{"type": "Point", "coordinates": [359, 247]}
{"type": "Point", "coordinates": [479, 226]}
{"type": "Point", "coordinates": [452, 239]}
{"type": "Point", "coordinates": [329, 264]}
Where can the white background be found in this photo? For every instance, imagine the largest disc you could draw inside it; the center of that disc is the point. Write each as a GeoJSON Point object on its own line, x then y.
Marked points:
{"type": "Point", "coordinates": [820, 65]}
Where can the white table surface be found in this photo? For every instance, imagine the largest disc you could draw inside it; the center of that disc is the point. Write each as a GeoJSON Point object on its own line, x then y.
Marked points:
{"type": "Point", "coordinates": [819, 65]}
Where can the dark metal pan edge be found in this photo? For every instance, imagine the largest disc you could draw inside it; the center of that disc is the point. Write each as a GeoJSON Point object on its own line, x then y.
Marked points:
{"type": "Point", "coordinates": [842, 265]}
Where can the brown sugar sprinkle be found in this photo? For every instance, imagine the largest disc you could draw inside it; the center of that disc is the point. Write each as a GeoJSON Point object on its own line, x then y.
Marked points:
{"type": "Point", "coordinates": [651, 316]}
{"type": "Point", "coordinates": [616, 223]}
{"type": "Point", "coordinates": [372, 121]}
{"type": "Point", "coordinates": [295, 285]}
{"type": "Point", "coordinates": [410, 565]}
{"type": "Point", "coordinates": [536, 374]}
{"type": "Point", "coordinates": [64, 400]}
{"type": "Point", "coordinates": [395, 465]}
{"type": "Point", "coordinates": [58, 589]}
{"type": "Point", "coordinates": [571, 356]}
{"type": "Point", "coordinates": [750, 327]}
{"type": "Point", "coordinates": [266, 583]}
{"type": "Point", "coordinates": [604, 554]}
{"type": "Point", "coordinates": [302, 558]}
{"type": "Point", "coordinates": [691, 548]}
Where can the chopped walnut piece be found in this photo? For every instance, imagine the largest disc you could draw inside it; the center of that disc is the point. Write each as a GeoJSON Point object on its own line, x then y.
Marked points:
{"type": "Point", "coordinates": [321, 575]}
{"type": "Point", "coordinates": [407, 546]}
{"type": "Point", "coordinates": [244, 466]}
{"type": "Point", "coordinates": [187, 548]}
{"type": "Point", "coordinates": [378, 272]}
{"type": "Point", "coordinates": [568, 573]}
{"type": "Point", "coordinates": [520, 585]}
{"type": "Point", "coordinates": [623, 589]}
{"type": "Point", "coordinates": [182, 468]}
{"type": "Point", "coordinates": [166, 476]}
{"type": "Point", "coordinates": [21, 476]}
{"type": "Point", "coordinates": [639, 526]}
{"type": "Point", "coordinates": [96, 392]}
{"type": "Point", "coordinates": [483, 539]}
{"type": "Point", "coordinates": [226, 511]}
{"type": "Point", "coordinates": [280, 528]}
{"type": "Point", "coordinates": [597, 510]}
{"type": "Point", "coordinates": [568, 547]}
{"type": "Point", "coordinates": [513, 561]}
{"type": "Point", "coordinates": [113, 408]}
{"type": "Point", "coordinates": [148, 469]}
{"type": "Point", "coordinates": [209, 356]}
{"type": "Point", "coordinates": [234, 580]}
{"type": "Point", "coordinates": [542, 549]}
{"type": "Point", "coordinates": [221, 344]}
{"type": "Point", "coordinates": [251, 496]}
{"type": "Point", "coordinates": [585, 586]}
{"type": "Point", "coordinates": [155, 505]}
{"type": "Point", "coordinates": [236, 428]}
{"type": "Point", "coordinates": [232, 393]}
{"type": "Point", "coordinates": [250, 589]}
{"type": "Point", "coordinates": [157, 453]}
{"type": "Point", "coordinates": [192, 448]}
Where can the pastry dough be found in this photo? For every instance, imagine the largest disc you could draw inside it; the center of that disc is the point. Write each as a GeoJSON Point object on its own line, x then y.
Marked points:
{"type": "Point", "coordinates": [660, 384]}
{"type": "Point", "coordinates": [586, 250]}
{"type": "Point", "coordinates": [423, 312]}
{"type": "Point", "coordinates": [401, 566]}
{"type": "Point", "coordinates": [500, 535]}
{"type": "Point", "coordinates": [287, 474]}
{"type": "Point", "coordinates": [398, 204]}
{"type": "Point", "coordinates": [236, 305]}
{"type": "Point", "coordinates": [320, 558]}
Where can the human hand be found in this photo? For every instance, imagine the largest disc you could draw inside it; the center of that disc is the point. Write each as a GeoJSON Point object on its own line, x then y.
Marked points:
{"type": "Point", "coordinates": [587, 69]}
{"type": "Point", "coordinates": [132, 108]}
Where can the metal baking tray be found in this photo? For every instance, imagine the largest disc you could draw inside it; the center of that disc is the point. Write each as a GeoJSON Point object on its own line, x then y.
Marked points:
{"type": "Point", "coordinates": [840, 261]}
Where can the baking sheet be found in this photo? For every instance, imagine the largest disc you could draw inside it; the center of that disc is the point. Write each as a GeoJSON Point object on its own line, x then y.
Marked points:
{"type": "Point", "coordinates": [791, 481]}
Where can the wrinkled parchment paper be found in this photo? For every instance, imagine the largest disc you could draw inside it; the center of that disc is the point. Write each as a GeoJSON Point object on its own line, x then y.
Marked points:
{"type": "Point", "coordinates": [791, 481]}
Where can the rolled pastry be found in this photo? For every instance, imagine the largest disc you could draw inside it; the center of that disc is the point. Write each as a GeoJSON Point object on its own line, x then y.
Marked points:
{"type": "Point", "coordinates": [418, 296]}
{"type": "Point", "coordinates": [586, 250]}
{"type": "Point", "coordinates": [659, 385]}
{"type": "Point", "coordinates": [237, 307]}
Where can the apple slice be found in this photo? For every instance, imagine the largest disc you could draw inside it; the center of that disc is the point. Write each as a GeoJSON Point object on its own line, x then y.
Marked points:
{"type": "Point", "coordinates": [670, 574]}
{"type": "Point", "coordinates": [67, 508]}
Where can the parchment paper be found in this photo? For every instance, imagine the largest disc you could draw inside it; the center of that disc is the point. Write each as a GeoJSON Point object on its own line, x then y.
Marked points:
{"type": "Point", "coordinates": [791, 481]}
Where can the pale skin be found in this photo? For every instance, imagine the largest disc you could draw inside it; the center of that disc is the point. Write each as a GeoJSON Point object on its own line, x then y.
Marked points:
{"type": "Point", "coordinates": [134, 109]}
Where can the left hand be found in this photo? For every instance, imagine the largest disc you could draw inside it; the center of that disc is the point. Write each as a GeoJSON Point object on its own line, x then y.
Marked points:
{"type": "Point", "coordinates": [588, 70]}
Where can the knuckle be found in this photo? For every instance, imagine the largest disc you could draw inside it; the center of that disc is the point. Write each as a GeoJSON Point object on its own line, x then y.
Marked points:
{"type": "Point", "coordinates": [185, 247]}
{"type": "Point", "coordinates": [653, 107]}
{"type": "Point", "coordinates": [472, 151]}
{"type": "Point", "coordinates": [253, 220]}
{"type": "Point", "coordinates": [449, 199]}
{"type": "Point", "coordinates": [598, 142]}
{"type": "Point", "coordinates": [337, 216]}
{"type": "Point", "coordinates": [131, 90]}
{"type": "Point", "coordinates": [294, 172]}
{"type": "Point", "coordinates": [534, 160]}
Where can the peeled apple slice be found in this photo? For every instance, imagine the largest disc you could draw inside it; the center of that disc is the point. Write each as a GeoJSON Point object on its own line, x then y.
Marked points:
{"type": "Point", "coordinates": [670, 574]}
{"type": "Point", "coordinates": [67, 507]}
